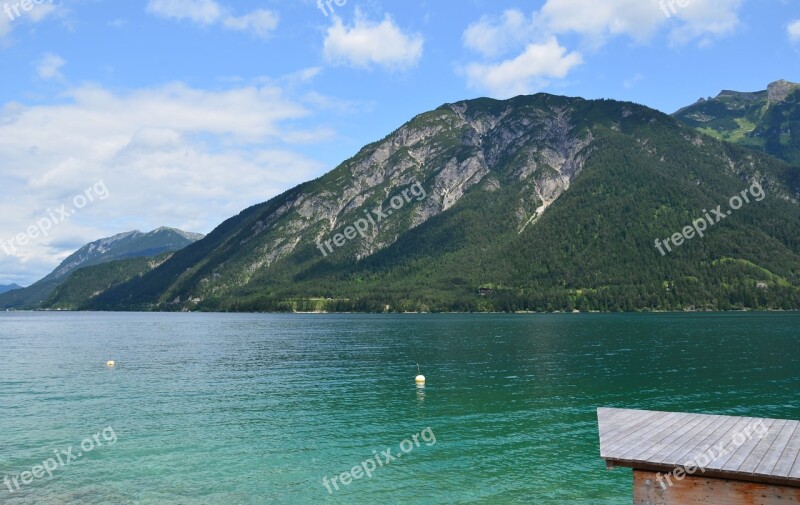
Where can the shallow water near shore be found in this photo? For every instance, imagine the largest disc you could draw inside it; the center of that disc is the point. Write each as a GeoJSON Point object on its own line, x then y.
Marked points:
{"type": "Point", "coordinates": [253, 409]}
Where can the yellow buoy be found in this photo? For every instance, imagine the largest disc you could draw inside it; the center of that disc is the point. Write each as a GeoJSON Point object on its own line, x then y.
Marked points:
{"type": "Point", "coordinates": [420, 379]}
{"type": "Point", "coordinates": [111, 363]}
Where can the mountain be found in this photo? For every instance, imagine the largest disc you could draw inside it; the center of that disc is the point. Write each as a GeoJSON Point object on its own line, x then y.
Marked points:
{"type": "Point", "coordinates": [85, 283]}
{"type": "Point", "coordinates": [9, 287]}
{"type": "Point", "coordinates": [536, 203]}
{"type": "Point", "coordinates": [124, 245]}
{"type": "Point", "coordinates": [768, 121]}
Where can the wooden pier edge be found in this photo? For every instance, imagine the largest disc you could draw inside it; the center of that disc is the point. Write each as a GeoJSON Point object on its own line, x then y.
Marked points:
{"type": "Point", "coordinates": [693, 490]}
{"type": "Point", "coordinates": [691, 459]}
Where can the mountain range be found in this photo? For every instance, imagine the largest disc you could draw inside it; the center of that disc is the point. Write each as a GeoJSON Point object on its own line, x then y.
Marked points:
{"type": "Point", "coordinates": [535, 203]}
{"type": "Point", "coordinates": [122, 247]}
{"type": "Point", "coordinates": [768, 121]}
{"type": "Point", "coordinates": [8, 287]}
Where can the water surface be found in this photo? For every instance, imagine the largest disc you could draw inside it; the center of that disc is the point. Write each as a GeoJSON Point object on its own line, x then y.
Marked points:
{"type": "Point", "coordinates": [254, 409]}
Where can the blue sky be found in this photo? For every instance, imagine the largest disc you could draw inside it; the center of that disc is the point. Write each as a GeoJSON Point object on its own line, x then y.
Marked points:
{"type": "Point", "coordinates": [189, 111]}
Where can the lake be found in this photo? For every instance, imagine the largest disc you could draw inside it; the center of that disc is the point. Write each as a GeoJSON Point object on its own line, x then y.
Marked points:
{"type": "Point", "coordinates": [254, 409]}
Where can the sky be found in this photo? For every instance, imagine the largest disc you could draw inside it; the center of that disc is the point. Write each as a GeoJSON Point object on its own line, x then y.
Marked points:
{"type": "Point", "coordinates": [123, 115]}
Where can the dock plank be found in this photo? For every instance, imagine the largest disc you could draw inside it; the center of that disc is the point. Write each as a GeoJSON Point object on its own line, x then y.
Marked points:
{"type": "Point", "coordinates": [788, 458]}
{"type": "Point", "coordinates": [743, 445]}
{"type": "Point", "coordinates": [614, 420]}
{"type": "Point", "coordinates": [767, 464]}
{"type": "Point", "coordinates": [665, 446]}
{"type": "Point", "coordinates": [795, 473]}
{"type": "Point", "coordinates": [624, 427]}
{"type": "Point", "coordinates": [700, 431]}
{"type": "Point", "coordinates": [695, 448]}
{"type": "Point", "coordinates": [667, 431]}
{"type": "Point", "coordinates": [660, 429]}
{"type": "Point", "coordinates": [763, 447]}
{"type": "Point", "coordinates": [645, 432]}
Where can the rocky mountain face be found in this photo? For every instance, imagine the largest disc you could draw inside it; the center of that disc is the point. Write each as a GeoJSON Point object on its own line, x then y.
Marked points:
{"type": "Point", "coordinates": [779, 91]}
{"type": "Point", "coordinates": [452, 149]}
{"type": "Point", "coordinates": [132, 244]}
{"type": "Point", "coordinates": [767, 121]}
{"type": "Point", "coordinates": [521, 197]}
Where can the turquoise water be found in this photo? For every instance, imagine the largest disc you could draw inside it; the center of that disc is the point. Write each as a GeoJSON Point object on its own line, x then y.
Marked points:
{"type": "Point", "coordinates": [254, 409]}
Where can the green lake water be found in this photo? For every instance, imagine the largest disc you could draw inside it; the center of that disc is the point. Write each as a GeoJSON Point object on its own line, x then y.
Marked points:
{"type": "Point", "coordinates": [255, 409]}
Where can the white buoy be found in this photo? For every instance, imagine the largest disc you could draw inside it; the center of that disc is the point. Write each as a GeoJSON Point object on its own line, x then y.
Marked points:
{"type": "Point", "coordinates": [111, 363]}
{"type": "Point", "coordinates": [419, 379]}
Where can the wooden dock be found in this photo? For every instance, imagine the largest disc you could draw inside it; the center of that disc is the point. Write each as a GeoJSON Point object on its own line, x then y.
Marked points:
{"type": "Point", "coordinates": [681, 458]}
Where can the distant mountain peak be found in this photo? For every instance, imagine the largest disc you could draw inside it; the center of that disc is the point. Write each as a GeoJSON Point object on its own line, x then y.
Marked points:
{"type": "Point", "coordinates": [741, 95]}
{"type": "Point", "coordinates": [9, 287]}
{"type": "Point", "coordinates": [778, 91]}
{"type": "Point", "coordinates": [764, 120]}
{"type": "Point", "coordinates": [122, 246]}
{"type": "Point", "coordinates": [185, 234]}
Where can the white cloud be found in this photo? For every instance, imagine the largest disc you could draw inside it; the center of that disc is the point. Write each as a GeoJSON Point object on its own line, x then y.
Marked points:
{"type": "Point", "coordinates": [49, 67]}
{"type": "Point", "coordinates": [540, 58]}
{"type": "Point", "coordinates": [528, 72]}
{"type": "Point", "coordinates": [40, 12]}
{"type": "Point", "coordinates": [640, 20]}
{"type": "Point", "coordinates": [705, 19]}
{"type": "Point", "coordinates": [5, 26]}
{"type": "Point", "coordinates": [368, 43]}
{"type": "Point", "coordinates": [493, 37]}
{"type": "Point", "coordinates": [202, 12]}
{"type": "Point", "coordinates": [259, 22]}
{"type": "Point", "coordinates": [304, 75]}
{"type": "Point", "coordinates": [169, 155]}
{"type": "Point", "coordinates": [794, 31]}
{"type": "Point", "coordinates": [636, 18]}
